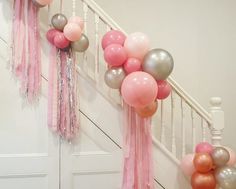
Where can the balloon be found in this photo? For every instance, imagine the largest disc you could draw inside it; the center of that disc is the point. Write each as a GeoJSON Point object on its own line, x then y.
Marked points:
{"type": "Point", "coordinates": [81, 45]}
{"type": "Point", "coordinates": [77, 20]}
{"type": "Point", "coordinates": [203, 181]}
{"type": "Point", "coordinates": [113, 37]}
{"type": "Point", "coordinates": [139, 89]}
{"type": "Point", "coordinates": [232, 154]}
{"type": "Point", "coordinates": [203, 162]}
{"type": "Point", "coordinates": [148, 110]}
{"type": "Point", "coordinates": [220, 156]}
{"type": "Point", "coordinates": [72, 31]}
{"type": "Point", "coordinates": [60, 41]}
{"type": "Point", "coordinates": [137, 45]}
{"type": "Point", "coordinates": [159, 63]}
{"type": "Point", "coordinates": [38, 5]}
{"type": "Point", "coordinates": [164, 89]}
{"type": "Point", "coordinates": [115, 55]}
{"type": "Point", "coordinates": [204, 147]}
{"type": "Point", "coordinates": [114, 77]}
{"type": "Point", "coordinates": [226, 177]}
{"type": "Point", "coordinates": [44, 2]}
{"type": "Point", "coordinates": [59, 21]}
{"type": "Point", "coordinates": [51, 34]}
{"type": "Point", "coordinates": [132, 65]}
{"type": "Point", "coordinates": [186, 164]}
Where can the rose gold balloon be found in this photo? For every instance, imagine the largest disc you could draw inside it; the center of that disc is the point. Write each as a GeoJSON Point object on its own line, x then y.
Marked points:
{"type": "Point", "coordinates": [203, 181]}
{"type": "Point", "coordinates": [203, 162]}
{"type": "Point", "coordinates": [147, 111]}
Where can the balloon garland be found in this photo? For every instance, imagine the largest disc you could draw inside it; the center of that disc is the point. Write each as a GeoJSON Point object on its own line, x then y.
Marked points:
{"type": "Point", "coordinates": [66, 38]}
{"type": "Point", "coordinates": [210, 166]}
{"type": "Point", "coordinates": [139, 73]}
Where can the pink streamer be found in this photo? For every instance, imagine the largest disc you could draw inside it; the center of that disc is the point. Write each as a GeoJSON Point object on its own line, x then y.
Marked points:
{"type": "Point", "coordinates": [138, 159]}
{"type": "Point", "coordinates": [26, 58]}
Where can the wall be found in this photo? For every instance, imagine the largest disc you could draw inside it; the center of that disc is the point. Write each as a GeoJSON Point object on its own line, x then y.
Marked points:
{"type": "Point", "coordinates": [201, 36]}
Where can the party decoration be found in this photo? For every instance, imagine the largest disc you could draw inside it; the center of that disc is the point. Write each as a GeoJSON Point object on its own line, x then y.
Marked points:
{"type": "Point", "coordinates": [164, 89]}
{"type": "Point", "coordinates": [203, 162]}
{"type": "Point", "coordinates": [203, 181]}
{"type": "Point", "coordinates": [51, 34]}
{"type": "Point", "coordinates": [148, 110]}
{"type": "Point", "coordinates": [59, 21]}
{"type": "Point", "coordinates": [81, 45]}
{"type": "Point", "coordinates": [204, 147]}
{"type": "Point", "coordinates": [115, 55]}
{"type": "Point", "coordinates": [38, 5]}
{"type": "Point", "coordinates": [114, 77]}
{"type": "Point", "coordinates": [72, 31]}
{"type": "Point", "coordinates": [77, 20]}
{"type": "Point", "coordinates": [60, 41]}
{"type": "Point", "coordinates": [44, 2]}
{"type": "Point", "coordinates": [113, 37]}
{"type": "Point", "coordinates": [186, 164]}
{"type": "Point", "coordinates": [232, 159]}
{"type": "Point", "coordinates": [139, 89]}
{"type": "Point", "coordinates": [132, 65]}
{"type": "Point", "coordinates": [159, 63]}
{"type": "Point", "coordinates": [220, 156]}
{"type": "Point", "coordinates": [226, 177]}
{"type": "Point", "coordinates": [137, 45]}
{"type": "Point", "coordinates": [26, 56]}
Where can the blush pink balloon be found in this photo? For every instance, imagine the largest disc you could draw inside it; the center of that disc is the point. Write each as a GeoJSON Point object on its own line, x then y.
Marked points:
{"type": "Point", "coordinates": [137, 45]}
{"type": "Point", "coordinates": [113, 37]}
{"type": "Point", "coordinates": [77, 20]}
{"type": "Point", "coordinates": [115, 55]}
{"type": "Point", "coordinates": [232, 159]}
{"type": "Point", "coordinates": [139, 89]}
{"type": "Point", "coordinates": [60, 41]}
{"type": "Point", "coordinates": [204, 147]}
{"type": "Point", "coordinates": [51, 34]}
{"type": "Point", "coordinates": [164, 89]}
{"type": "Point", "coordinates": [44, 2]}
{"type": "Point", "coordinates": [72, 31]}
{"type": "Point", "coordinates": [187, 165]}
{"type": "Point", "coordinates": [132, 65]}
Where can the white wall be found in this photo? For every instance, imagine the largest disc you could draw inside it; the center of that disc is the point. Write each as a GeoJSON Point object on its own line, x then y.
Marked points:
{"type": "Point", "coordinates": [201, 36]}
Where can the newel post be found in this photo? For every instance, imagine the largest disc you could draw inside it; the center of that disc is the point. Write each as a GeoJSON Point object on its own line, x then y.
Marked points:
{"type": "Point", "coordinates": [217, 126]}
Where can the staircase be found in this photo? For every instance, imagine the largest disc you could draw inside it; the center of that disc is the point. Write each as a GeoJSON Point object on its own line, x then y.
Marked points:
{"type": "Point", "coordinates": [96, 159]}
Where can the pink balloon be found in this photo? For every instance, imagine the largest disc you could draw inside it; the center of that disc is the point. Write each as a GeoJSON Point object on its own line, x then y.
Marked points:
{"type": "Point", "coordinates": [164, 89]}
{"type": "Point", "coordinates": [137, 45]}
{"type": "Point", "coordinates": [44, 2]}
{"type": "Point", "coordinates": [132, 65]}
{"type": "Point", "coordinates": [51, 34]}
{"type": "Point", "coordinates": [72, 31]}
{"type": "Point", "coordinates": [204, 147]}
{"type": "Point", "coordinates": [60, 41]}
{"type": "Point", "coordinates": [77, 20]}
{"type": "Point", "coordinates": [186, 165]}
{"type": "Point", "coordinates": [232, 160]}
{"type": "Point", "coordinates": [115, 55]}
{"type": "Point", "coordinates": [139, 89]}
{"type": "Point", "coordinates": [113, 37]}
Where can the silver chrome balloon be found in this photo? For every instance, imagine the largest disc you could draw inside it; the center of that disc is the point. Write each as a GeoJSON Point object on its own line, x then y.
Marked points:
{"type": "Point", "coordinates": [159, 63]}
{"type": "Point", "coordinates": [114, 77]}
{"type": "Point", "coordinates": [220, 156]}
{"type": "Point", "coordinates": [59, 21]}
{"type": "Point", "coordinates": [38, 5]}
{"type": "Point", "coordinates": [82, 44]}
{"type": "Point", "coordinates": [226, 177]}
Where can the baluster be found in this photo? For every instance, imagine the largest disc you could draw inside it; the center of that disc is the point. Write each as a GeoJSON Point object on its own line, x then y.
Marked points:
{"type": "Point", "coordinates": [217, 116]}
{"type": "Point", "coordinates": [193, 130]}
{"type": "Point", "coordinates": [85, 60]}
{"type": "Point", "coordinates": [203, 130]}
{"type": "Point", "coordinates": [163, 139]}
{"type": "Point", "coordinates": [97, 19]}
{"type": "Point", "coordinates": [173, 145]}
{"type": "Point", "coordinates": [183, 128]}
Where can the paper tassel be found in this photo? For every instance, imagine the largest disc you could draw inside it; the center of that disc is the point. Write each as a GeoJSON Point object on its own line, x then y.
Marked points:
{"type": "Point", "coordinates": [138, 159]}
{"type": "Point", "coordinates": [26, 59]}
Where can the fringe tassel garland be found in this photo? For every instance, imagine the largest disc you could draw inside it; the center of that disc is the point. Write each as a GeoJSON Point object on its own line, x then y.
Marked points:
{"type": "Point", "coordinates": [138, 159]}
{"type": "Point", "coordinates": [62, 93]}
{"type": "Point", "coordinates": [26, 58]}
